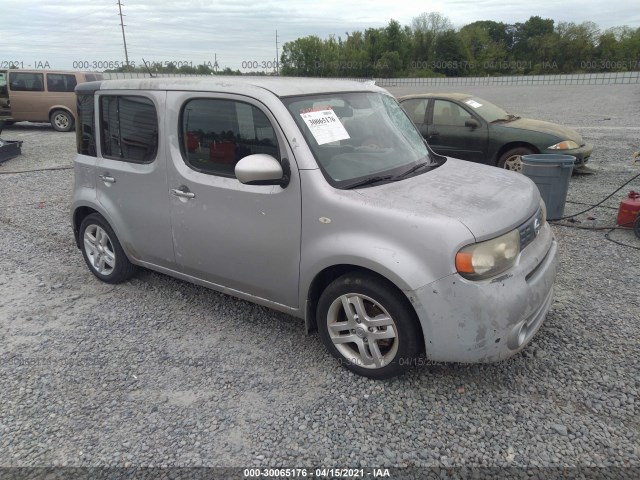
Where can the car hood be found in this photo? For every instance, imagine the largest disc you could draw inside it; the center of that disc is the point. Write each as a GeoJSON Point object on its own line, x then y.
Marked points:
{"type": "Point", "coordinates": [489, 201]}
{"type": "Point", "coordinates": [563, 133]}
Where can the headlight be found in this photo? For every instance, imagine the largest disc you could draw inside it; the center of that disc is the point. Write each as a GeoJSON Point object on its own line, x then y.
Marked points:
{"type": "Point", "coordinates": [543, 207]}
{"type": "Point", "coordinates": [565, 145]}
{"type": "Point", "coordinates": [487, 259]}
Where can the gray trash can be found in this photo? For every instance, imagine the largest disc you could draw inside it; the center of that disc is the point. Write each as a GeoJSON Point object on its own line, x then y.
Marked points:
{"type": "Point", "coordinates": [551, 173]}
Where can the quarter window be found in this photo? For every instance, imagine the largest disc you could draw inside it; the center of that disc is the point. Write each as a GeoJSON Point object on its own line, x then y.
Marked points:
{"type": "Point", "coordinates": [26, 82]}
{"type": "Point", "coordinates": [450, 114]}
{"type": "Point", "coordinates": [85, 133]}
{"type": "Point", "coordinates": [216, 134]}
{"type": "Point", "coordinates": [129, 126]}
{"type": "Point", "coordinates": [60, 82]}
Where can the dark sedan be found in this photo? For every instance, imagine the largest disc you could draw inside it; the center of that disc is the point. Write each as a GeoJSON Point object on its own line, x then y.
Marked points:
{"type": "Point", "coordinates": [464, 126]}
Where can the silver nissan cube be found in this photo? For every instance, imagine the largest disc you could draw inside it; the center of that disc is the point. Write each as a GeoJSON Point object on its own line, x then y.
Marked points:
{"type": "Point", "coordinates": [318, 198]}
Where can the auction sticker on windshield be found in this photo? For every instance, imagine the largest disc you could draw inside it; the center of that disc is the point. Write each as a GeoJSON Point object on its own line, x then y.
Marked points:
{"type": "Point", "coordinates": [325, 126]}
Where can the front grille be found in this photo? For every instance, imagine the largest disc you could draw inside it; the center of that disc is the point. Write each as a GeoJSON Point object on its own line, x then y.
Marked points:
{"type": "Point", "coordinates": [528, 231]}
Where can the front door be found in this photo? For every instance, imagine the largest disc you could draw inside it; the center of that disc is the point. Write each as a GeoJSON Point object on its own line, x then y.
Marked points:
{"type": "Point", "coordinates": [243, 238]}
{"type": "Point", "coordinates": [448, 135]}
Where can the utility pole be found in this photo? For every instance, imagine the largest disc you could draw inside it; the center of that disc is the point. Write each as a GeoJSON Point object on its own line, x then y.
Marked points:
{"type": "Point", "coordinates": [126, 54]}
{"type": "Point", "coordinates": [215, 62]}
{"type": "Point", "coordinates": [277, 59]}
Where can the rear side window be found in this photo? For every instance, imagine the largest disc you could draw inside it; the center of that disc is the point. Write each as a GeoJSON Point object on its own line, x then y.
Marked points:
{"type": "Point", "coordinates": [216, 134]}
{"type": "Point", "coordinates": [26, 82]}
{"type": "Point", "coordinates": [129, 126]}
{"type": "Point", "coordinates": [85, 133]}
{"type": "Point", "coordinates": [60, 82]}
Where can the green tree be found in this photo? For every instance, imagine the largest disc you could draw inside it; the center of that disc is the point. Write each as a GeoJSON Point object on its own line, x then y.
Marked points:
{"type": "Point", "coordinates": [451, 55]}
{"type": "Point", "coordinates": [485, 42]}
{"type": "Point", "coordinates": [427, 28]}
{"type": "Point", "coordinates": [302, 57]}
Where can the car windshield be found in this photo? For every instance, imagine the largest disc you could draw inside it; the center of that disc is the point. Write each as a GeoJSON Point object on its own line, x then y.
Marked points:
{"type": "Point", "coordinates": [360, 139]}
{"type": "Point", "coordinates": [487, 110]}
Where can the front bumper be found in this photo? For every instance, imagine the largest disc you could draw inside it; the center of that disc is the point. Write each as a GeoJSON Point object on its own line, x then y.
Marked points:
{"type": "Point", "coordinates": [491, 320]}
{"type": "Point", "coordinates": [582, 154]}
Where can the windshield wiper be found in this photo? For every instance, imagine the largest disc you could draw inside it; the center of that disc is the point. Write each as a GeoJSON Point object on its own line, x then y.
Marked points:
{"type": "Point", "coordinates": [415, 168]}
{"type": "Point", "coordinates": [369, 181]}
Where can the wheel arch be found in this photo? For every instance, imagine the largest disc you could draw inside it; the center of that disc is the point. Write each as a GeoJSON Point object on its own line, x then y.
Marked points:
{"type": "Point", "coordinates": [327, 275]}
{"type": "Point", "coordinates": [510, 146]}
{"type": "Point", "coordinates": [64, 108]}
{"type": "Point", "coordinates": [79, 214]}
{"type": "Point", "coordinates": [82, 211]}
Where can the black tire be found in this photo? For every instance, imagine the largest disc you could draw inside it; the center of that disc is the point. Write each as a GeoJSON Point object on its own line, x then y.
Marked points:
{"type": "Point", "coordinates": [61, 121]}
{"type": "Point", "coordinates": [120, 269]}
{"type": "Point", "coordinates": [379, 298]}
{"type": "Point", "coordinates": [509, 161]}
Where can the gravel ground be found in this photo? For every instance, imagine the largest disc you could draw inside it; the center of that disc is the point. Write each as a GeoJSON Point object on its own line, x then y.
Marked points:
{"type": "Point", "coordinates": [159, 372]}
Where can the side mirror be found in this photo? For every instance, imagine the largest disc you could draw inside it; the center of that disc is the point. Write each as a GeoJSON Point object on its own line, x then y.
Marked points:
{"type": "Point", "coordinates": [472, 123]}
{"type": "Point", "coordinates": [261, 169]}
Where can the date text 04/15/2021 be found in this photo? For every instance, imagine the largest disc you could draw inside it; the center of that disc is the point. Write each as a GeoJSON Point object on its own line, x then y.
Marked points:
{"type": "Point", "coordinates": [316, 473]}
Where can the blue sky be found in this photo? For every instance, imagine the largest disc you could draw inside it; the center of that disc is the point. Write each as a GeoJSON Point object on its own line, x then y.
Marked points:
{"type": "Point", "coordinates": [66, 32]}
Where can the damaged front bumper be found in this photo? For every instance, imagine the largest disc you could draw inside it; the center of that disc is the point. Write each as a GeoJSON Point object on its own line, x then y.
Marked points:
{"type": "Point", "coordinates": [488, 321]}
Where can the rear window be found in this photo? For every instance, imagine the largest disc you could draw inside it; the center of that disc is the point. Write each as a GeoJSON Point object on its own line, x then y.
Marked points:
{"type": "Point", "coordinates": [26, 82]}
{"type": "Point", "coordinates": [61, 82]}
{"type": "Point", "coordinates": [129, 126]}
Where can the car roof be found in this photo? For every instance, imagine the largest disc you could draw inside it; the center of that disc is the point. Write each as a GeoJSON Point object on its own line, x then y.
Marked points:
{"type": "Point", "coordinates": [279, 86]}
{"type": "Point", "coordinates": [450, 96]}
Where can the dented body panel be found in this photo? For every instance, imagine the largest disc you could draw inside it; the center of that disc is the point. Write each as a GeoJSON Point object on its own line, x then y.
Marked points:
{"type": "Point", "coordinates": [466, 321]}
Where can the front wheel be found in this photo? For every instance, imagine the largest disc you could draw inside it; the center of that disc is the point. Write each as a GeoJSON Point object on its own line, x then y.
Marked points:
{"type": "Point", "coordinates": [61, 120]}
{"type": "Point", "coordinates": [369, 326]}
{"type": "Point", "coordinates": [510, 160]}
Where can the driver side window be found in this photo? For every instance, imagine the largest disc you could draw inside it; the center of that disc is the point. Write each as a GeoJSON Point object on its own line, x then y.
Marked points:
{"type": "Point", "coordinates": [447, 113]}
{"type": "Point", "coordinates": [216, 134]}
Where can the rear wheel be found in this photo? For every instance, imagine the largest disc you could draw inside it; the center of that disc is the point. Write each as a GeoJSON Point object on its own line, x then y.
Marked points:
{"type": "Point", "coordinates": [61, 120]}
{"type": "Point", "coordinates": [102, 251]}
{"type": "Point", "coordinates": [369, 326]}
{"type": "Point", "coordinates": [510, 160]}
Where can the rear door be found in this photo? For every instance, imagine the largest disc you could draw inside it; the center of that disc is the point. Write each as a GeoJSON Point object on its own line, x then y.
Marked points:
{"type": "Point", "coordinates": [131, 173]}
{"type": "Point", "coordinates": [448, 135]}
{"type": "Point", "coordinates": [245, 238]}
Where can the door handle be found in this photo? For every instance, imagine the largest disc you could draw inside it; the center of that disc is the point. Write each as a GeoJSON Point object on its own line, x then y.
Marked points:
{"type": "Point", "coordinates": [107, 179]}
{"type": "Point", "coordinates": [182, 193]}
{"type": "Point", "coordinates": [434, 134]}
